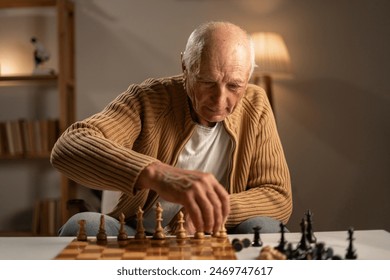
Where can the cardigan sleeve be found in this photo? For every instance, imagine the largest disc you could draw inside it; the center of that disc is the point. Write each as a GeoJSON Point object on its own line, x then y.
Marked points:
{"type": "Point", "coordinates": [97, 152]}
{"type": "Point", "coordinates": [268, 186]}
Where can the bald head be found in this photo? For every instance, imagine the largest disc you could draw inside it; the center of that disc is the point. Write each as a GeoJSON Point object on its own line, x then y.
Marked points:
{"type": "Point", "coordinates": [217, 65]}
{"type": "Point", "coordinates": [214, 38]}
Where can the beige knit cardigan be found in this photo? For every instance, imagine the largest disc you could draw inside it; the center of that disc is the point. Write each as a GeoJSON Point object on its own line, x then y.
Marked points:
{"type": "Point", "coordinates": [151, 122]}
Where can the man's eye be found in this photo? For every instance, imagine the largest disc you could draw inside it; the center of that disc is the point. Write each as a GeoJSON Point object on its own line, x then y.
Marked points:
{"type": "Point", "coordinates": [208, 84]}
{"type": "Point", "coordinates": [234, 87]}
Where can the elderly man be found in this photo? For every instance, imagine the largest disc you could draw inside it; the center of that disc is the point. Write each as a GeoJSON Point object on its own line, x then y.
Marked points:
{"type": "Point", "coordinates": [204, 142]}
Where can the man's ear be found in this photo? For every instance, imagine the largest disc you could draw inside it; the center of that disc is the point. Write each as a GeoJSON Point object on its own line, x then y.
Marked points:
{"type": "Point", "coordinates": [183, 66]}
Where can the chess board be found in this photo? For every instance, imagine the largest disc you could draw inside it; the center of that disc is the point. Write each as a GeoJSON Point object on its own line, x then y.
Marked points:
{"type": "Point", "coordinates": [171, 248]}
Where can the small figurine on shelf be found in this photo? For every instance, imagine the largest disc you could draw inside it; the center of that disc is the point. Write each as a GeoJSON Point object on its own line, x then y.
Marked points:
{"type": "Point", "coordinates": [41, 55]}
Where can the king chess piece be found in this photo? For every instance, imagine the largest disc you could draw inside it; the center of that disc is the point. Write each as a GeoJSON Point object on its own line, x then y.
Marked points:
{"type": "Point", "coordinates": [140, 234]}
{"type": "Point", "coordinates": [101, 236]}
{"type": "Point", "coordinates": [159, 231]}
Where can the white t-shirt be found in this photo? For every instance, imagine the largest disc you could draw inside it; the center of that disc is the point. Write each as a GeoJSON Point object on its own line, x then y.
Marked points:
{"type": "Point", "coordinates": [208, 150]}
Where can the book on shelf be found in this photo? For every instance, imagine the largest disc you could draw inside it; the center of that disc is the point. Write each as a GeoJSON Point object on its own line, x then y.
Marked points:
{"type": "Point", "coordinates": [46, 217]}
{"type": "Point", "coordinates": [30, 138]}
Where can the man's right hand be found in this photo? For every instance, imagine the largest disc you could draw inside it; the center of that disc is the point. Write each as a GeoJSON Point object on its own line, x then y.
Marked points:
{"type": "Point", "coordinates": [205, 200]}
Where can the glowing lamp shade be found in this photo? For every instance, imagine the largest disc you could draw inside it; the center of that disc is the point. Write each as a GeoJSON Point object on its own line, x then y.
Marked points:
{"type": "Point", "coordinates": [271, 55]}
{"type": "Point", "coordinates": [272, 60]}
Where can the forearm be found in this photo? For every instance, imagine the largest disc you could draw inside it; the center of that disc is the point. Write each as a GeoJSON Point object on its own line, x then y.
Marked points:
{"type": "Point", "coordinates": [267, 201]}
{"type": "Point", "coordinates": [83, 154]}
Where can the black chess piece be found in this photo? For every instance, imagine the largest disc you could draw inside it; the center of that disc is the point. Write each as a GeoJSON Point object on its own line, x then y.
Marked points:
{"type": "Point", "coordinates": [246, 242]}
{"type": "Point", "coordinates": [237, 244]}
{"type": "Point", "coordinates": [290, 252]}
{"type": "Point", "coordinates": [309, 229]}
{"type": "Point", "coordinates": [282, 242]}
{"type": "Point", "coordinates": [351, 253]}
{"type": "Point", "coordinates": [256, 239]}
{"type": "Point", "coordinates": [303, 243]}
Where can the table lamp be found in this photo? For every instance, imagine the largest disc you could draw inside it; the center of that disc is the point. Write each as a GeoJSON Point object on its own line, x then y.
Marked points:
{"type": "Point", "coordinates": [272, 60]}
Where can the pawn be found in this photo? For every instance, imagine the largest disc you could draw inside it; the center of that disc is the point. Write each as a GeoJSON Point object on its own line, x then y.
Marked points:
{"type": "Point", "coordinates": [246, 242]}
{"type": "Point", "coordinates": [199, 235]}
{"type": "Point", "coordinates": [282, 243]}
{"type": "Point", "coordinates": [237, 244]}
{"type": "Point", "coordinates": [222, 234]}
{"type": "Point", "coordinates": [81, 235]}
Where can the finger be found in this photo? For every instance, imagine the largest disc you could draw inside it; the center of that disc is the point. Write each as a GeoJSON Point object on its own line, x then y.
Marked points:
{"type": "Point", "coordinates": [195, 215]}
{"type": "Point", "coordinates": [224, 198]}
{"type": "Point", "coordinates": [207, 211]}
{"type": "Point", "coordinates": [217, 211]}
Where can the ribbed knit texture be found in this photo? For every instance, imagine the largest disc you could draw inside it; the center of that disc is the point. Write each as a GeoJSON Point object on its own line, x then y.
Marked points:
{"type": "Point", "coordinates": [151, 122]}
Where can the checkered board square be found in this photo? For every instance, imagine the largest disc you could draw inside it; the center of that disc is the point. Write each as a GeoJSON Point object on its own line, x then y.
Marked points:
{"type": "Point", "coordinates": [209, 248]}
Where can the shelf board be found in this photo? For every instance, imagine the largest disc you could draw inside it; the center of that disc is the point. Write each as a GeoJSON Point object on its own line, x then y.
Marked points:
{"type": "Point", "coordinates": [16, 233]}
{"type": "Point", "coordinates": [27, 79]}
{"type": "Point", "coordinates": [45, 156]}
{"type": "Point", "coordinates": [27, 3]}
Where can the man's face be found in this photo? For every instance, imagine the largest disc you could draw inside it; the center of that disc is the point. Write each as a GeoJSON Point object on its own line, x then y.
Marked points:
{"type": "Point", "coordinates": [220, 84]}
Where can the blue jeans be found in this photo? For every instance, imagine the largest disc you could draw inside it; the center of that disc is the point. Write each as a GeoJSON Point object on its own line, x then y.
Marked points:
{"type": "Point", "coordinates": [112, 225]}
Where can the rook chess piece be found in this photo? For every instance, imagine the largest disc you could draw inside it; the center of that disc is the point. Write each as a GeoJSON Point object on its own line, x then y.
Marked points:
{"type": "Point", "coordinates": [256, 239]}
{"type": "Point", "coordinates": [82, 235]}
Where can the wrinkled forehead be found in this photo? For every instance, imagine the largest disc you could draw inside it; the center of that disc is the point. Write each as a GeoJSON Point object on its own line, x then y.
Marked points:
{"type": "Point", "coordinates": [226, 56]}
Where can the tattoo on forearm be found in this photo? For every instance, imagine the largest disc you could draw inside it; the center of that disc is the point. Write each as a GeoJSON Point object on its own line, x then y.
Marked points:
{"type": "Point", "coordinates": [180, 180]}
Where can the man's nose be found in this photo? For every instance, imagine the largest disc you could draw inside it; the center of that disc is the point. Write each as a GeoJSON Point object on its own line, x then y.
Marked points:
{"type": "Point", "coordinates": [219, 97]}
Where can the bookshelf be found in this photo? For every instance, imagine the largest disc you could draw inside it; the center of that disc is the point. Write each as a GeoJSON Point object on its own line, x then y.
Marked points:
{"type": "Point", "coordinates": [36, 145]}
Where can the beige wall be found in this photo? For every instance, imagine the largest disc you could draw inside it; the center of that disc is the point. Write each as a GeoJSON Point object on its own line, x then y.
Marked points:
{"type": "Point", "coordinates": [333, 117]}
